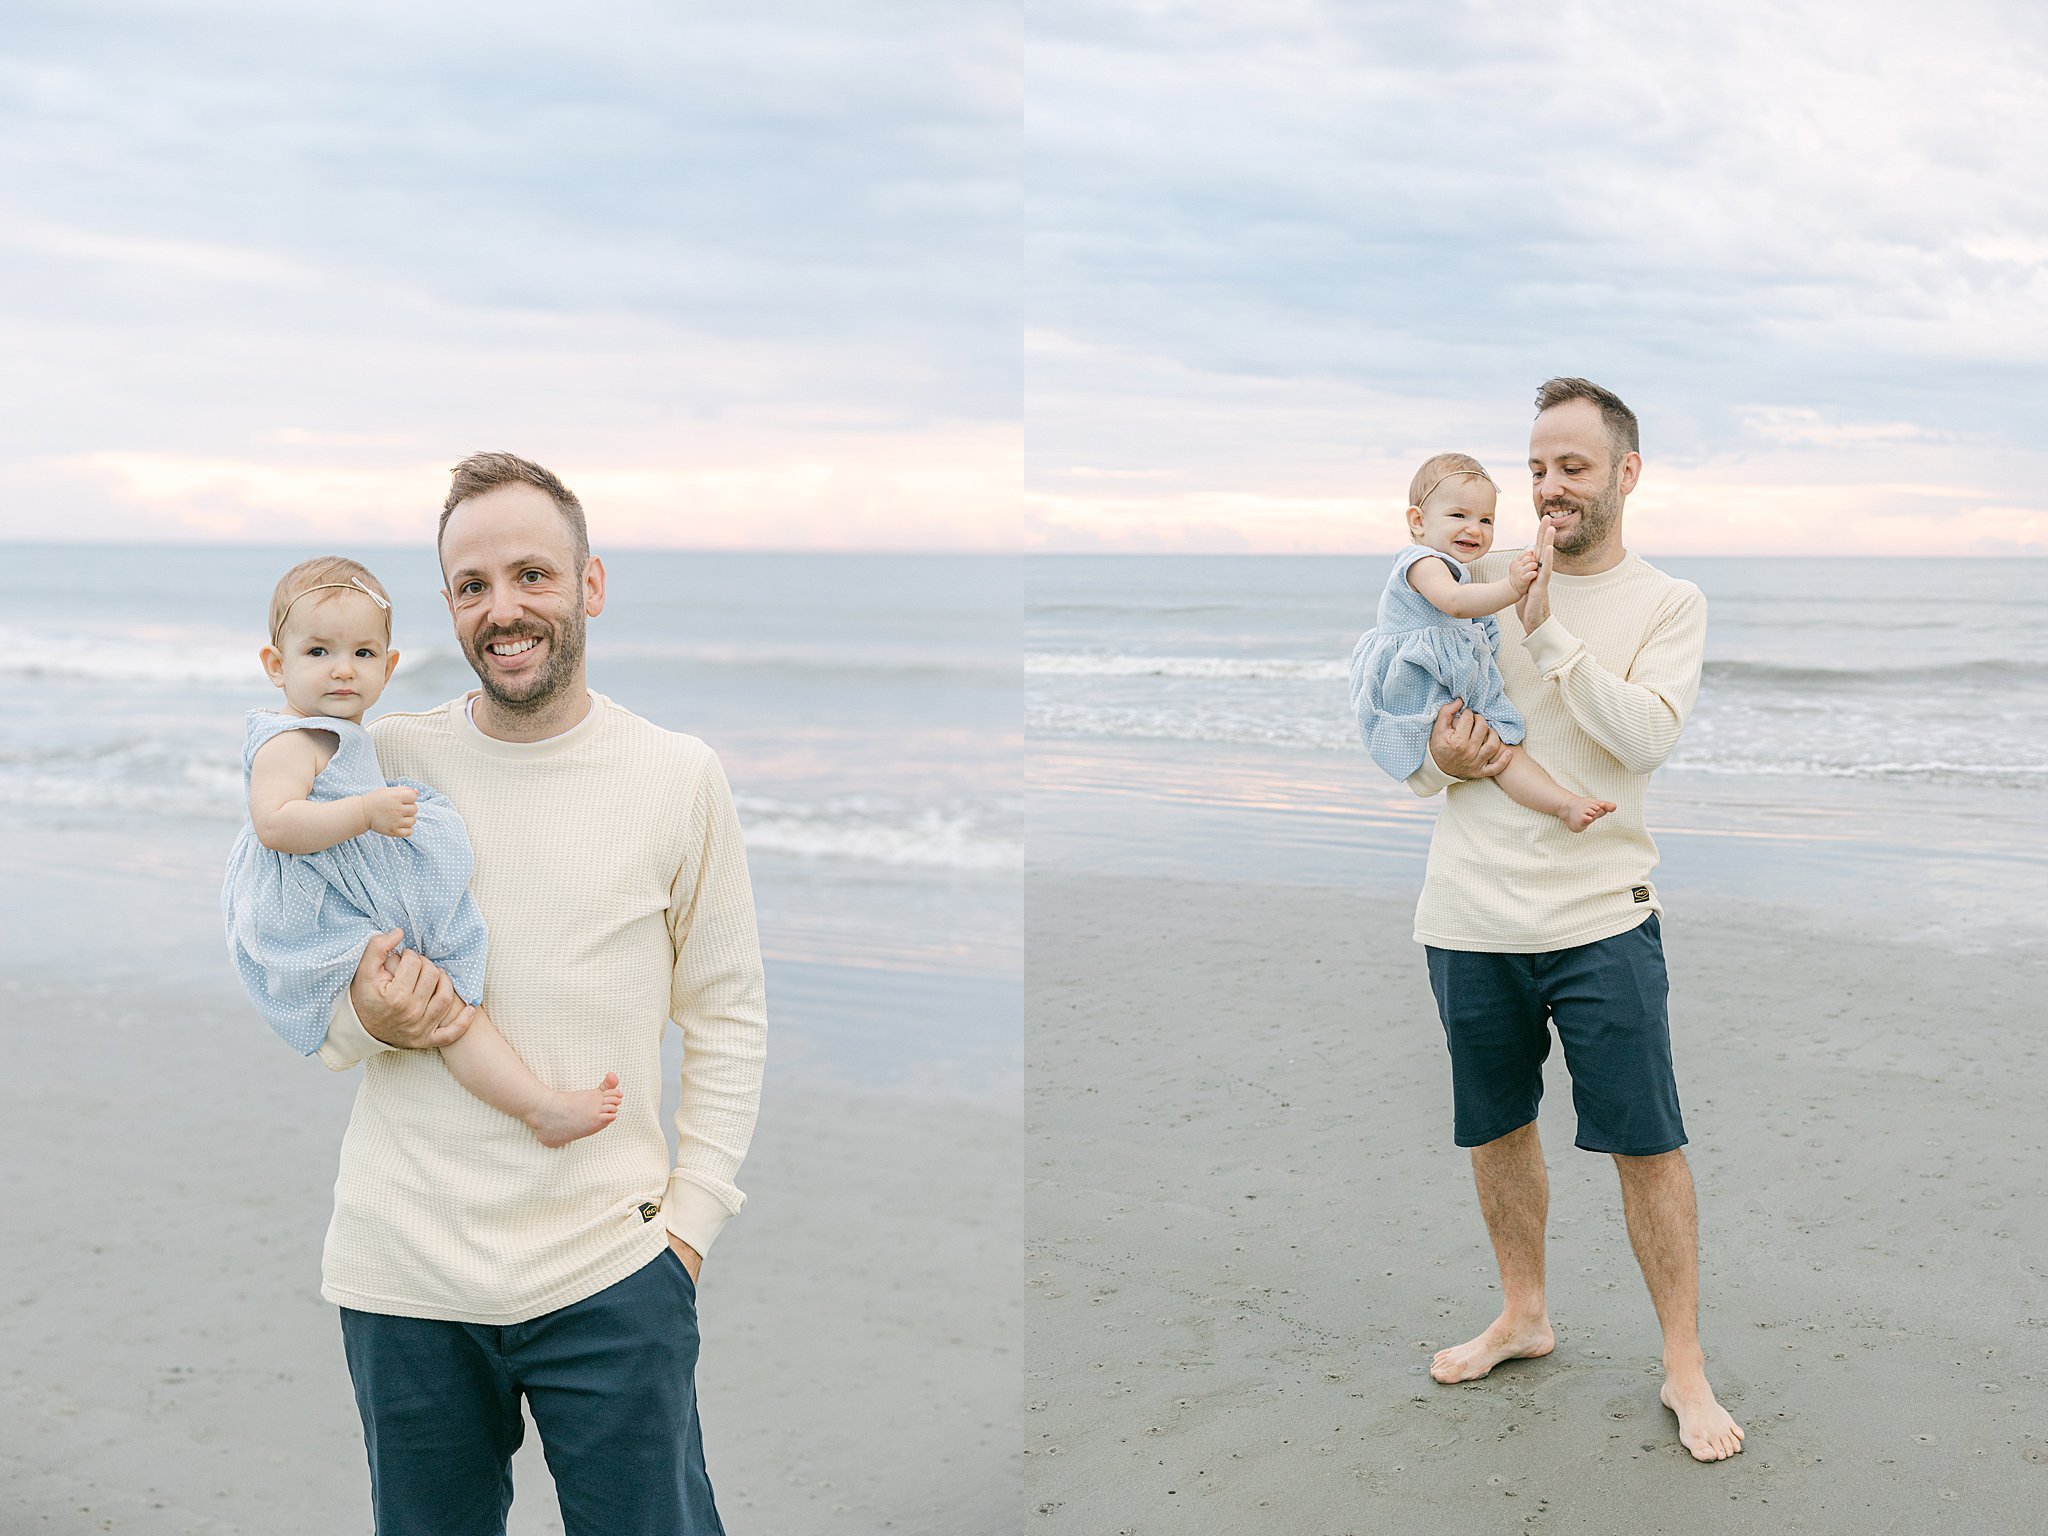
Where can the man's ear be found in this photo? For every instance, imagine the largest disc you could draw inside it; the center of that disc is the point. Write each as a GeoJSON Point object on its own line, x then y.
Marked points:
{"type": "Point", "coordinates": [593, 586]}
{"type": "Point", "coordinates": [1631, 471]}
{"type": "Point", "coordinates": [273, 664]}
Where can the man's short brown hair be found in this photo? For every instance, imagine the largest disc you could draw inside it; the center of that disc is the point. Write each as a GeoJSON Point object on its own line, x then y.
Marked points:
{"type": "Point", "coordinates": [1620, 420]}
{"type": "Point", "coordinates": [482, 472]}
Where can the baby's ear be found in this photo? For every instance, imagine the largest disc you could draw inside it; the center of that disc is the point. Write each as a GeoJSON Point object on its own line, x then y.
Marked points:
{"type": "Point", "coordinates": [273, 664]}
{"type": "Point", "coordinates": [390, 664]}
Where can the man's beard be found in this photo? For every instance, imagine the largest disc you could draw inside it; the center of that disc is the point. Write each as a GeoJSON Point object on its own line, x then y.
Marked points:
{"type": "Point", "coordinates": [537, 693]}
{"type": "Point", "coordinates": [1596, 517]}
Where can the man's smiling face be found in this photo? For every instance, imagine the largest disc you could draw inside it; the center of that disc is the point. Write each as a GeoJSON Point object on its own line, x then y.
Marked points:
{"type": "Point", "coordinates": [1576, 477]}
{"type": "Point", "coordinates": [516, 597]}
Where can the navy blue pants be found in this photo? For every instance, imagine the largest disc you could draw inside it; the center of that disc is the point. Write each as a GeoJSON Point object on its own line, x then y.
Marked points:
{"type": "Point", "coordinates": [1608, 1000]}
{"type": "Point", "coordinates": [611, 1383]}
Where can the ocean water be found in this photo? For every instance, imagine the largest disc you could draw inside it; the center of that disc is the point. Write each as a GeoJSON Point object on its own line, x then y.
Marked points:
{"type": "Point", "coordinates": [866, 708]}
{"type": "Point", "coordinates": [1870, 734]}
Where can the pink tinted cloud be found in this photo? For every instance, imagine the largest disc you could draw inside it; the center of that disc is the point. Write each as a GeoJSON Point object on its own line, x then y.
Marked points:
{"type": "Point", "coordinates": [951, 486]}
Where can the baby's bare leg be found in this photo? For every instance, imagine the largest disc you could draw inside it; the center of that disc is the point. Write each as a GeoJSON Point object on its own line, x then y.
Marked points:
{"type": "Point", "coordinates": [484, 1062]}
{"type": "Point", "coordinates": [1527, 784]}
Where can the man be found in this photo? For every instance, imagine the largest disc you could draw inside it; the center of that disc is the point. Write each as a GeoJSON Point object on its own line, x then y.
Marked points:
{"type": "Point", "coordinates": [473, 1265]}
{"type": "Point", "coordinates": [1527, 923]}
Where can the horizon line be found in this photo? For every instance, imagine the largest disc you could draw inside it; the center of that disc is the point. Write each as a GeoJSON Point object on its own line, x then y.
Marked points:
{"type": "Point", "coordinates": [923, 551]}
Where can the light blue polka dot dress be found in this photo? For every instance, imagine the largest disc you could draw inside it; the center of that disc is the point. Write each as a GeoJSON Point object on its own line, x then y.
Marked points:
{"type": "Point", "coordinates": [297, 922]}
{"type": "Point", "coordinates": [1416, 660]}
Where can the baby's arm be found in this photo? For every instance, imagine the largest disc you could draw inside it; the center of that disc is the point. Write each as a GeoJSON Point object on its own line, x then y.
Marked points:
{"type": "Point", "coordinates": [280, 779]}
{"type": "Point", "coordinates": [1432, 577]}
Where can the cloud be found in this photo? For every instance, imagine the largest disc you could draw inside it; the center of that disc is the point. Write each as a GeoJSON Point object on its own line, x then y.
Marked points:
{"type": "Point", "coordinates": [1766, 508]}
{"type": "Point", "coordinates": [384, 237]}
{"type": "Point", "coordinates": [949, 492]}
{"type": "Point", "coordinates": [1276, 240]}
{"type": "Point", "coordinates": [1801, 426]}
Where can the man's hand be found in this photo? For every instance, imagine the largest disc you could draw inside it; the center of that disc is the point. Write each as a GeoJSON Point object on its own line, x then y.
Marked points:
{"type": "Point", "coordinates": [1464, 745]}
{"type": "Point", "coordinates": [406, 1002]}
{"type": "Point", "coordinates": [692, 1259]}
{"type": "Point", "coordinates": [1533, 606]}
{"type": "Point", "coordinates": [393, 809]}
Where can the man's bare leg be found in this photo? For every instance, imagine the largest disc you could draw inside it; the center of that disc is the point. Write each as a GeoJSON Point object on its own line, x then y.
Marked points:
{"type": "Point", "coordinates": [1663, 1226]}
{"type": "Point", "coordinates": [1514, 1197]}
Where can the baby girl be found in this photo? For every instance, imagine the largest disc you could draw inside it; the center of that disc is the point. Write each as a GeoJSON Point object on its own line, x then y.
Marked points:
{"type": "Point", "coordinates": [1437, 640]}
{"type": "Point", "coordinates": [332, 855]}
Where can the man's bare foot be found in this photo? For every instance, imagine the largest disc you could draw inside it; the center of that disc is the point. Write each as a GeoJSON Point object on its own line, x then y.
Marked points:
{"type": "Point", "coordinates": [1704, 1426]}
{"type": "Point", "coordinates": [1579, 813]}
{"type": "Point", "coordinates": [560, 1118]}
{"type": "Point", "coordinates": [1504, 1340]}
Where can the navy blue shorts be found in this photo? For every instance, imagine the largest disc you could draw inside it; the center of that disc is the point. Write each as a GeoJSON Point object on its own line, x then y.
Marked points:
{"type": "Point", "coordinates": [610, 1381]}
{"type": "Point", "coordinates": [1608, 1001]}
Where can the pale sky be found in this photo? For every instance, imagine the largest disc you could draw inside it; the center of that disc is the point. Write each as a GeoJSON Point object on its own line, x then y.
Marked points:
{"type": "Point", "coordinates": [757, 277]}
{"type": "Point", "coordinates": [1280, 254]}
{"type": "Point", "coordinates": [743, 276]}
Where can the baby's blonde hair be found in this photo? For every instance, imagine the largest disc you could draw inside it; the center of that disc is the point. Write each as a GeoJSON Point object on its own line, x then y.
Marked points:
{"type": "Point", "coordinates": [1441, 467]}
{"type": "Point", "coordinates": [322, 571]}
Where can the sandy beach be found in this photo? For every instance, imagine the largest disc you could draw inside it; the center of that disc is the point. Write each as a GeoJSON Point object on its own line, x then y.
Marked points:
{"type": "Point", "coordinates": [1247, 1230]}
{"type": "Point", "coordinates": [169, 1366]}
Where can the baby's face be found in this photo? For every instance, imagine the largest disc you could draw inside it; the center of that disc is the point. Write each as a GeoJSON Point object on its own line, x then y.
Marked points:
{"type": "Point", "coordinates": [333, 658]}
{"type": "Point", "coordinates": [1458, 521]}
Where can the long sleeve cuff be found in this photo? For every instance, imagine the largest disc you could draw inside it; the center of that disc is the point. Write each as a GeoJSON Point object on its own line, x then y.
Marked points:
{"type": "Point", "coordinates": [347, 1041]}
{"type": "Point", "coordinates": [692, 1213]}
{"type": "Point", "coordinates": [1552, 647]}
{"type": "Point", "coordinates": [1429, 779]}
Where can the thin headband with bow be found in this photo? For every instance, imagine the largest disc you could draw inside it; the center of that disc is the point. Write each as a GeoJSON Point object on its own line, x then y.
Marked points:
{"type": "Point", "coordinates": [1423, 499]}
{"type": "Point", "coordinates": [353, 584]}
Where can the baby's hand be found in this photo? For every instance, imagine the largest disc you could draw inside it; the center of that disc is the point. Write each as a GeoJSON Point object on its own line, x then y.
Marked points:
{"type": "Point", "coordinates": [393, 809]}
{"type": "Point", "coordinates": [1522, 574]}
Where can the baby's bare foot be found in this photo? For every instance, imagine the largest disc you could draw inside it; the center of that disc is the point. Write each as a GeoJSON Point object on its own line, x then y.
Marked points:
{"type": "Point", "coordinates": [1704, 1427]}
{"type": "Point", "coordinates": [1504, 1340]}
{"type": "Point", "coordinates": [561, 1118]}
{"type": "Point", "coordinates": [1580, 813]}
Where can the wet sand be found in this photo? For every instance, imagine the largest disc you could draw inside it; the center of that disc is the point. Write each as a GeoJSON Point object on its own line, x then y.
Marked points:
{"type": "Point", "coordinates": [167, 1365]}
{"type": "Point", "coordinates": [1247, 1231]}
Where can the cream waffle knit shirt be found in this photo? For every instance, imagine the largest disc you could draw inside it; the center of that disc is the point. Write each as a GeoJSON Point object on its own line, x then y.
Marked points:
{"type": "Point", "coordinates": [1605, 684]}
{"type": "Point", "coordinates": [610, 870]}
